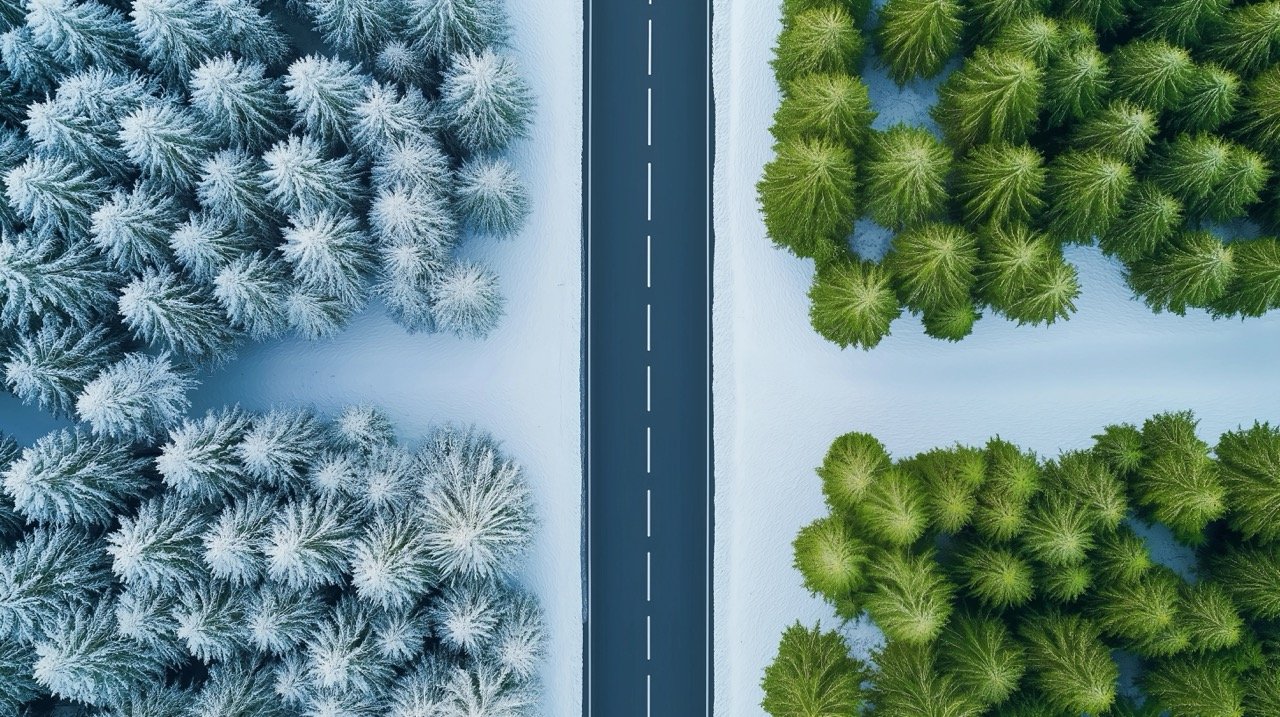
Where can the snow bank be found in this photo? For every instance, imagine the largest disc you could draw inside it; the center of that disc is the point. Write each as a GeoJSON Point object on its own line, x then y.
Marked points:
{"type": "Point", "coordinates": [521, 384]}
{"type": "Point", "coordinates": [783, 393]}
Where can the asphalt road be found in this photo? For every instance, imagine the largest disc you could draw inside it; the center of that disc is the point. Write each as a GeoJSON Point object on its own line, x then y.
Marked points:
{"type": "Point", "coordinates": [648, 356]}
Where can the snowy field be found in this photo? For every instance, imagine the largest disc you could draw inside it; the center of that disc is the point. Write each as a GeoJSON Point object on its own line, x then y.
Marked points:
{"type": "Point", "coordinates": [783, 393]}
{"type": "Point", "coordinates": [521, 384]}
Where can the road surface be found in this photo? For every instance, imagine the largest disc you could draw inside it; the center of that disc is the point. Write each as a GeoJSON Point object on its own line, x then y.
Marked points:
{"type": "Point", "coordinates": [648, 356]}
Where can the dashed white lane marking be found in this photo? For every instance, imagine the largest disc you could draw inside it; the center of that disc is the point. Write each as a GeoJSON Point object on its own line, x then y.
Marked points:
{"type": "Point", "coordinates": [648, 513]}
{"type": "Point", "coordinates": [648, 449]}
{"type": "Point", "coordinates": [649, 118]}
{"type": "Point", "coordinates": [648, 389]}
{"type": "Point", "coordinates": [648, 638]}
{"type": "Point", "coordinates": [648, 575]}
{"type": "Point", "coordinates": [651, 46]}
{"type": "Point", "coordinates": [648, 262]}
{"type": "Point", "coordinates": [649, 191]}
{"type": "Point", "coordinates": [648, 327]}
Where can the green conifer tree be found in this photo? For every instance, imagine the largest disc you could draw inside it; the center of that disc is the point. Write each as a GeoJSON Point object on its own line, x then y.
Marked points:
{"type": "Point", "coordinates": [905, 176]}
{"type": "Point", "coordinates": [823, 40]}
{"type": "Point", "coordinates": [832, 106]}
{"type": "Point", "coordinates": [909, 599]}
{"type": "Point", "coordinates": [813, 674]}
{"type": "Point", "coordinates": [1001, 184]}
{"type": "Point", "coordinates": [915, 38]}
{"type": "Point", "coordinates": [1069, 663]}
{"type": "Point", "coordinates": [1194, 270]}
{"type": "Point", "coordinates": [933, 265]}
{"type": "Point", "coordinates": [1089, 190]}
{"type": "Point", "coordinates": [994, 97]}
{"type": "Point", "coordinates": [809, 197]}
{"type": "Point", "coordinates": [1077, 81]}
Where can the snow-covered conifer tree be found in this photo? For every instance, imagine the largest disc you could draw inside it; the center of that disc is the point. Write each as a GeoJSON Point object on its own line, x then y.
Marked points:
{"type": "Point", "coordinates": [300, 178]}
{"type": "Point", "coordinates": [238, 102]}
{"type": "Point", "coordinates": [485, 100]}
{"type": "Point", "coordinates": [17, 686]}
{"type": "Point", "coordinates": [343, 656]}
{"type": "Point", "coordinates": [210, 618]}
{"type": "Point", "coordinates": [414, 214]}
{"type": "Point", "coordinates": [59, 131]}
{"type": "Point", "coordinates": [443, 28]}
{"type": "Point", "coordinates": [360, 26]}
{"type": "Point", "coordinates": [279, 620]}
{"type": "Point", "coordinates": [11, 524]}
{"type": "Point", "coordinates": [166, 141]}
{"type": "Point", "coordinates": [206, 243]}
{"type": "Point", "coordinates": [310, 544]}
{"type": "Point", "coordinates": [199, 461]}
{"type": "Point", "coordinates": [159, 701]}
{"type": "Point", "coordinates": [83, 658]}
{"type": "Point", "coordinates": [253, 292]}
{"type": "Point", "coordinates": [466, 614]}
{"type": "Point", "coordinates": [328, 252]}
{"type": "Point", "coordinates": [105, 96]}
{"type": "Point", "coordinates": [175, 36]}
{"type": "Point", "coordinates": [132, 228]}
{"type": "Point", "coordinates": [486, 689]}
{"type": "Point", "coordinates": [333, 475]}
{"type": "Point", "coordinates": [165, 311]}
{"type": "Point", "coordinates": [402, 634]}
{"type": "Point", "coordinates": [161, 546]}
{"type": "Point", "coordinates": [30, 66]}
{"type": "Point", "coordinates": [386, 114]}
{"type": "Point", "coordinates": [391, 565]}
{"type": "Point", "coordinates": [279, 445]}
{"type": "Point", "coordinates": [315, 315]}
{"type": "Point", "coordinates": [390, 480]}
{"type": "Point", "coordinates": [241, 688]}
{"type": "Point", "coordinates": [519, 644]}
{"type": "Point", "coordinates": [45, 277]}
{"type": "Point", "coordinates": [407, 273]}
{"type": "Point", "coordinates": [420, 690]}
{"type": "Point", "coordinates": [46, 573]}
{"type": "Point", "coordinates": [231, 187]}
{"type": "Point", "coordinates": [51, 366]}
{"type": "Point", "coordinates": [71, 477]}
{"type": "Point", "coordinates": [477, 510]}
{"type": "Point", "coordinates": [145, 615]}
{"type": "Point", "coordinates": [465, 299]}
{"type": "Point", "coordinates": [242, 25]}
{"type": "Point", "coordinates": [323, 93]}
{"type": "Point", "coordinates": [14, 147]}
{"type": "Point", "coordinates": [410, 161]}
{"type": "Point", "coordinates": [398, 61]}
{"type": "Point", "coordinates": [364, 428]}
{"type": "Point", "coordinates": [81, 32]}
{"type": "Point", "coordinates": [491, 197]}
{"type": "Point", "coordinates": [135, 398]}
{"type": "Point", "coordinates": [232, 546]}
{"type": "Point", "coordinates": [54, 195]}
{"type": "Point", "coordinates": [292, 684]}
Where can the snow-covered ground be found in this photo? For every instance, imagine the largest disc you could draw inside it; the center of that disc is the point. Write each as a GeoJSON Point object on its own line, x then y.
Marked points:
{"type": "Point", "coordinates": [521, 384]}
{"type": "Point", "coordinates": [783, 393]}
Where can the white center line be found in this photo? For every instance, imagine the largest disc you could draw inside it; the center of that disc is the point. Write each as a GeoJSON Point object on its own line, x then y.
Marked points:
{"type": "Point", "coordinates": [651, 46]}
{"type": "Point", "coordinates": [648, 694]}
{"type": "Point", "coordinates": [648, 262]}
{"type": "Point", "coordinates": [648, 513]}
{"type": "Point", "coordinates": [648, 574]}
{"type": "Point", "coordinates": [648, 637]}
{"type": "Point", "coordinates": [648, 446]}
{"type": "Point", "coordinates": [648, 327]}
{"type": "Point", "coordinates": [648, 389]}
{"type": "Point", "coordinates": [649, 191]}
{"type": "Point", "coordinates": [649, 117]}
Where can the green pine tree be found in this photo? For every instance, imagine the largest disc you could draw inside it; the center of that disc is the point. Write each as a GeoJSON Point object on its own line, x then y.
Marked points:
{"type": "Point", "coordinates": [813, 676]}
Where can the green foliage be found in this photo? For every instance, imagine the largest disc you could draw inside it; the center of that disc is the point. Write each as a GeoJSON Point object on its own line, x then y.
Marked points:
{"type": "Point", "coordinates": [1249, 461]}
{"type": "Point", "coordinates": [1251, 577]}
{"type": "Point", "coordinates": [933, 265]}
{"type": "Point", "coordinates": [1032, 36]}
{"type": "Point", "coordinates": [1104, 15]}
{"type": "Point", "coordinates": [852, 465]}
{"type": "Point", "coordinates": [823, 40]}
{"type": "Point", "coordinates": [832, 560]}
{"type": "Point", "coordinates": [1195, 270]}
{"type": "Point", "coordinates": [951, 479]}
{"type": "Point", "coordinates": [1121, 447]}
{"type": "Point", "coordinates": [1059, 532]}
{"type": "Point", "coordinates": [1089, 190]}
{"type": "Point", "coordinates": [951, 322]}
{"type": "Point", "coordinates": [1249, 38]}
{"type": "Point", "coordinates": [1152, 73]}
{"type": "Point", "coordinates": [894, 512]}
{"type": "Point", "coordinates": [1209, 617]}
{"type": "Point", "coordinates": [907, 683]}
{"type": "Point", "coordinates": [909, 597]}
{"type": "Point", "coordinates": [1013, 478]}
{"type": "Point", "coordinates": [1121, 556]}
{"type": "Point", "coordinates": [983, 657]}
{"type": "Point", "coordinates": [986, 17]}
{"type": "Point", "coordinates": [995, 96]}
{"type": "Point", "coordinates": [905, 176]}
{"type": "Point", "coordinates": [1065, 584]}
{"type": "Point", "coordinates": [1086, 478]}
{"type": "Point", "coordinates": [1148, 219]}
{"type": "Point", "coordinates": [1195, 686]}
{"type": "Point", "coordinates": [1142, 613]}
{"type": "Point", "coordinates": [831, 106]}
{"type": "Point", "coordinates": [1121, 129]}
{"type": "Point", "coordinates": [858, 9]}
{"type": "Point", "coordinates": [1001, 184]}
{"type": "Point", "coordinates": [813, 676]}
{"type": "Point", "coordinates": [1261, 109]}
{"type": "Point", "coordinates": [1069, 663]}
{"type": "Point", "coordinates": [808, 195]}
{"type": "Point", "coordinates": [997, 576]}
{"type": "Point", "coordinates": [1076, 83]}
{"type": "Point", "coordinates": [1210, 100]}
{"type": "Point", "coordinates": [1182, 22]}
{"type": "Point", "coordinates": [853, 303]}
{"type": "Point", "coordinates": [1025, 277]}
{"type": "Point", "coordinates": [915, 38]}
{"type": "Point", "coordinates": [1257, 287]}
{"type": "Point", "coordinates": [1178, 482]}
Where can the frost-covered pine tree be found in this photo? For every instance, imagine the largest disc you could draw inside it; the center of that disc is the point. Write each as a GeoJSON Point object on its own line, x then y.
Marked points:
{"type": "Point", "coordinates": [279, 445]}
{"type": "Point", "coordinates": [14, 148]}
{"type": "Point", "coordinates": [166, 141]}
{"type": "Point", "coordinates": [333, 475]}
{"type": "Point", "coordinates": [155, 702]}
{"type": "Point", "coordinates": [17, 686]}
{"type": "Point", "coordinates": [46, 573]}
{"type": "Point", "coordinates": [443, 28]}
{"type": "Point", "coordinates": [391, 563]}
{"type": "Point", "coordinates": [466, 614]}
{"type": "Point", "coordinates": [161, 545]}
{"type": "Point", "coordinates": [135, 398]}
{"type": "Point", "coordinates": [310, 543]}
{"type": "Point", "coordinates": [407, 272]}
{"type": "Point", "coordinates": [238, 689]}
{"type": "Point", "coordinates": [71, 477]}
{"type": "Point", "coordinates": [315, 315]}
{"type": "Point", "coordinates": [163, 310]}
{"type": "Point", "coordinates": [328, 252]}
{"type": "Point", "coordinates": [59, 131]}
{"type": "Point", "coordinates": [83, 658]}
{"type": "Point", "coordinates": [145, 615]}
{"type": "Point", "coordinates": [231, 187]}
{"type": "Point", "coordinates": [238, 102]}
{"type": "Point", "coordinates": [414, 214]}
{"type": "Point", "coordinates": [402, 634]}
{"type": "Point", "coordinates": [30, 66]}
{"type": "Point", "coordinates": [413, 160]}
{"type": "Point", "coordinates": [45, 277]}
{"type": "Point", "coordinates": [246, 27]}
{"type": "Point", "coordinates": [486, 689]}
{"type": "Point", "coordinates": [280, 620]}
{"type": "Point", "coordinates": [299, 177]}
{"type": "Point", "coordinates": [421, 690]}
{"type": "Point", "coordinates": [398, 61]}
{"type": "Point", "coordinates": [51, 366]}
{"type": "Point", "coordinates": [105, 96]}
{"type": "Point", "coordinates": [132, 228]}
{"type": "Point", "coordinates": [323, 92]}
{"type": "Point", "coordinates": [343, 656]}
{"type": "Point", "coordinates": [206, 243]}
{"type": "Point", "coordinates": [174, 36]}
{"type": "Point", "coordinates": [210, 620]}
{"type": "Point", "coordinates": [491, 198]}
{"type": "Point", "coordinates": [55, 196]}
{"type": "Point", "coordinates": [82, 32]}
{"type": "Point", "coordinates": [199, 461]}
{"type": "Point", "coordinates": [232, 546]}
{"type": "Point", "coordinates": [359, 26]}
{"type": "Point", "coordinates": [364, 429]}
{"type": "Point", "coordinates": [485, 100]}
{"type": "Point", "coordinates": [389, 481]}
{"type": "Point", "coordinates": [465, 299]}
{"type": "Point", "coordinates": [477, 511]}
{"type": "Point", "coordinates": [518, 646]}
{"type": "Point", "coordinates": [253, 291]}
{"type": "Point", "coordinates": [386, 114]}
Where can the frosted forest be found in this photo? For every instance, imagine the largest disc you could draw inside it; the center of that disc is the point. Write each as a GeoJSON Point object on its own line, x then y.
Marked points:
{"type": "Point", "coordinates": [181, 177]}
